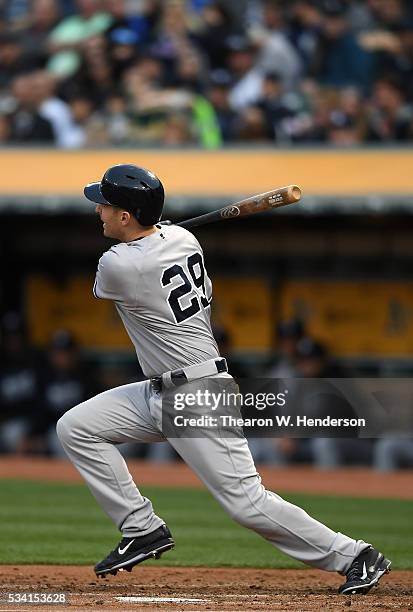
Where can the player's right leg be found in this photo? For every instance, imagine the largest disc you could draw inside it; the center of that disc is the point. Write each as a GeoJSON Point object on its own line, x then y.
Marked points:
{"type": "Point", "coordinates": [220, 456]}
{"type": "Point", "coordinates": [88, 433]}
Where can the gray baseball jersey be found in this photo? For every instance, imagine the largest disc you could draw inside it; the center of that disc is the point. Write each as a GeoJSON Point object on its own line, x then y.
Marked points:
{"type": "Point", "coordinates": [162, 293]}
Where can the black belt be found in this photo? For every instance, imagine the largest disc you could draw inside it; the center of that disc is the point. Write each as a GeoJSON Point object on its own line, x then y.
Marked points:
{"type": "Point", "coordinates": [178, 377]}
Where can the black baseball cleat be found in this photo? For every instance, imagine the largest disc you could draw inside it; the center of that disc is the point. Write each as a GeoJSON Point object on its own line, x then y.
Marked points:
{"type": "Point", "coordinates": [365, 572]}
{"type": "Point", "coordinates": [131, 551]}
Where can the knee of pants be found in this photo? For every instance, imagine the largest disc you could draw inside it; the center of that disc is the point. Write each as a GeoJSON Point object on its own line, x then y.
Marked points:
{"type": "Point", "coordinates": [241, 509]}
{"type": "Point", "coordinates": [243, 515]}
{"type": "Point", "coordinates": [64, 428]}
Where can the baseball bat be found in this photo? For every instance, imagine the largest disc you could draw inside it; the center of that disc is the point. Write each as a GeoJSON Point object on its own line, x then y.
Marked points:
{"type": "Point", "coordinates": [249, 206]}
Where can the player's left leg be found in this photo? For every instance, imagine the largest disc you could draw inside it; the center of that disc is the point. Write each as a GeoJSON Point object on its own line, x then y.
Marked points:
{"type": "Point", "coordinates": [89, 434]}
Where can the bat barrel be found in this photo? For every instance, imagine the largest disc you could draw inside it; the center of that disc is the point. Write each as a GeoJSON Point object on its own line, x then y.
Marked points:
{"type": "Point", "coordinates": [250, 206]}
{"type": "Point", "coordinates": [293, 193]}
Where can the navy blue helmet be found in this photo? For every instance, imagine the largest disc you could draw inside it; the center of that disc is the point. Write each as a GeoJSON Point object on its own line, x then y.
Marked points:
{"type": "Point", "coordinates": [132, 188]}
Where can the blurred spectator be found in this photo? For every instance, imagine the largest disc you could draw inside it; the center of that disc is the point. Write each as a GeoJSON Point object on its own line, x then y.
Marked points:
{"type": "Point", "coordinates": [216, 27]}
{"type": "Point", "coordinates": [66, 382]}
{"type": "Point", "coordinates": [205, 123]}
{"type": "Point", "coordinates": [89, 129]}
{"type": "Point", "coordinates": [173, 38]}
{"type": "Point", "coordinates": [4, 129]}
{"type": "Point", "coordinates": [43, 17]}
{"type": "Point", "coordinates": [123, 50]}
{"type": "Point", "coordinates": [289, 333]}
{"type": "Point", "coordinates": [279, 451]}
{"type": "Point", "coordinates": [276, 53]}
{"type": "Point", "coordinates": [117, 121]}
{"type": "Point", "coordinates": [251, 125]}
{"type": "Point", "coordinates": [139, 19]}
{"type": "Point", "coordinates": [404, 66]}
{"type": "Point", "coordinates": [189, 73]}
{"type": "Point", "coordinates": [389, 115]}
{"type": "Point", "coordinates": [342, 130]}
{"type": "Point", "coordinates": [26, 123]}
{"type": "Point", "coordinates": [54, 110]}
{"type": "Point", "coordinates": [389, 14]}
{"type": "Point", "coordinates": [13, 61]}
{"type": "Point", "coordinates": [94, 77]}
{"type": "Point", "coordinates": [68, 37]}
{"type": "Point", "coordinates": [308, 359]}
{"type": "Point", "coordinates": [111, 126]}
{"type": "Point", "coordinates": [305, 30]}
{"type": "Point", "coordinates": [347, 120]}
{"type": "Point", "coordinates": [313, 361]}
{"type": "Point", "coordinates": [15, 12]}
{"type": "Point", "coordinates": [176, 131]}
{"type": "Point", "coordinates": [19, 382]}
{"type": "Point", "coordinates": [276, 105]}
{"type": "Point", "coordinates": [310, 123]}
{"type": "Point", "coordinates": [218, 95]}
{"type": "Point", "coordinates": [391, 454]}
{"type": "Point", "coordinates": [340, 59]}
{"type": "Point", "coordinates": [271, 451]}
{"type": "Point", "coordinates": [321, 401]}
{"type": "Point", "coordinates": [247, 77]}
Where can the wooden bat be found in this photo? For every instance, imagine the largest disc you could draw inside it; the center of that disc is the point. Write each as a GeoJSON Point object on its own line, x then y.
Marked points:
{"type": "Point", "coordinates": [255, 204]}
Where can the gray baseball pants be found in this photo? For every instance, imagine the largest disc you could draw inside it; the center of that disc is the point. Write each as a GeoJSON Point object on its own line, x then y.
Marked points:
{"type": "Point", "coordinates": [132, 413]}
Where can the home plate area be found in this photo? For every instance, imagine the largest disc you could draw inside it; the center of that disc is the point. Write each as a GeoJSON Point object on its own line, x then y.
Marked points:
{"type": "Point", "coordinates": [160, 599]}
{"type": "Point", "coordinates": [202, 588]}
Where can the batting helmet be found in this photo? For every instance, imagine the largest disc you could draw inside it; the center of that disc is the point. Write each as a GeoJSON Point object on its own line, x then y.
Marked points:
{"type": "Point", "coordinates": [132, 188]}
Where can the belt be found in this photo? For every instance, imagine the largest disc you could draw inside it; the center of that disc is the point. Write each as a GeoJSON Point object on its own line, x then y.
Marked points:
{"type": "Point", "coordinates": [185, 375]}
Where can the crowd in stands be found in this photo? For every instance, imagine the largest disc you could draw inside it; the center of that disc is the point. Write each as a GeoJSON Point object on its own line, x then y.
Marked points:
{"type": "Point", "coordinates": [38, 387]}
{"type": "Point", "coordinates": [90, 73]}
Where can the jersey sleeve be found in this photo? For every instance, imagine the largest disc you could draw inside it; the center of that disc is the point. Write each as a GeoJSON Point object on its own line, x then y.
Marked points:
{"type": "Point", "coordinates": [113, 279]}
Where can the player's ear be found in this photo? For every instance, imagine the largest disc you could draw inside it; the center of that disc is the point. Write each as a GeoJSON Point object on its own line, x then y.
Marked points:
{"type": "Point", "coordinates": [125, 217]}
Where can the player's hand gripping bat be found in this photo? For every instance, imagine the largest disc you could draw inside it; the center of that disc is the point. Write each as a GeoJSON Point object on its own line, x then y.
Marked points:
{"type": "Point", "coordinates": [255, 204]}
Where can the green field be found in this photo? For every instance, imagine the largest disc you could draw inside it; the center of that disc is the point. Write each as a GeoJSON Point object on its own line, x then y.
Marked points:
{"type": "Point", "coordinates": [62, 524]}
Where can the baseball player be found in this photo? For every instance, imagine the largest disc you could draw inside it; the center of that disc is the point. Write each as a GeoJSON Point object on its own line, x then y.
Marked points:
{"type": "Point", "coordinates": [157, 279]}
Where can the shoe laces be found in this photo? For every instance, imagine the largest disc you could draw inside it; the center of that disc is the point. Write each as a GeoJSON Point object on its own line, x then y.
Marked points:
{"type": "Point", "coordinates": [355, 570]}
